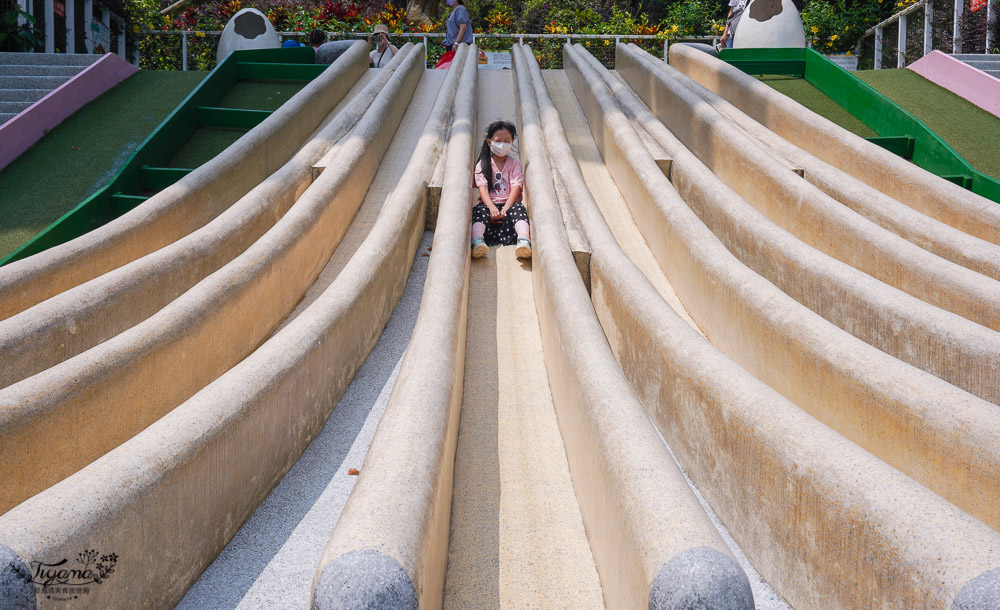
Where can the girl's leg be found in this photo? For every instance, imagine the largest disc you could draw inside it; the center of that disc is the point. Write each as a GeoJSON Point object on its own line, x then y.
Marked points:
{"type": "Point", "coordinates": [478, 229]}
{"type": "Point", "coordinates": [521, 228]}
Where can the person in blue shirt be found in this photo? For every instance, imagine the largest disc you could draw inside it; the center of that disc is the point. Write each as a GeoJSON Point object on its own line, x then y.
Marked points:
{"type": "Point", "coordinates": [458, 24]}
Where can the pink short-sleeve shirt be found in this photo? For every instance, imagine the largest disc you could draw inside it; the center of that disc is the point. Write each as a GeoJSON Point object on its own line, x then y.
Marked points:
{"type": "Point", "coordinates": [510, 176]}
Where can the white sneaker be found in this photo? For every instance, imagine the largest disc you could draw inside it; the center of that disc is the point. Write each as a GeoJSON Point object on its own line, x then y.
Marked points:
{"type": "Point", "coordinates": [479, 247]}
{"type": "Point", "coordinates": [523, 248]}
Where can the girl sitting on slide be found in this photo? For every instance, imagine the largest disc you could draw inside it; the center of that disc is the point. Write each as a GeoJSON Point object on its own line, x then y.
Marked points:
{"type": "Point", "coordinates": [499, 217]}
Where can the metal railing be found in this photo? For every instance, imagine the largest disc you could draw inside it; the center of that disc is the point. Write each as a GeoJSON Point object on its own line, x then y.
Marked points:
{"type": "Point", "coordinates": [928, 43]}
{"type": "Point", "coordinates": [486, 41]}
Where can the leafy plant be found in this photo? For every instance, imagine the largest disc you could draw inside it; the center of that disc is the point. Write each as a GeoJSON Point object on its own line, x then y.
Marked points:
{"type": "Point", "coordinates": [18, 36]}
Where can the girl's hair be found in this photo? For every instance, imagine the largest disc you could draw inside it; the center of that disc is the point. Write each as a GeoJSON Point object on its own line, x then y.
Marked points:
{"type": "Point", "coordinates": [317, 37]}
{"type": "Point", "coordinates": [485, 155]}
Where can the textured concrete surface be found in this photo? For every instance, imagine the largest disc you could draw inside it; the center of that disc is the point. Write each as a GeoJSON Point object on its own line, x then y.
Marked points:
{"type": "Point", "coordinates": [606, 194]}
{"type": "Point", "coordinates": [803, 209]}
{"type": "Point", "coordinates": [868, 162]}
{"type": "Point", "coordinates": [271, 561]}
{"type": "Point", "coordinates": [517, 537]}
{"type": "Point", "coordinates": [851, 386]}
{"type": "Point", "coordinates": [220, 452]}
{"type": "Point", "coordinates": [39, 337]}
{"type": "Point", "coordinates": [124, 384]}
{"type": "Point", "coordinates": [400, 504]}
{"type": "Point", "coordinates": [851, 505]}
{"type": "Point", "coordinates": [187, 204]}
{"type": "Point", "coordinates": [625, 480]}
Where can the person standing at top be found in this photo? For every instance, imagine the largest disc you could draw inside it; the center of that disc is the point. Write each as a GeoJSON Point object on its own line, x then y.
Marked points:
{"type": "Point", "coordinates": [736, 8]}
{"type": "Point", "coordinates": [384, 50]}
{"type": "Point", "coordinates": [458, 24]}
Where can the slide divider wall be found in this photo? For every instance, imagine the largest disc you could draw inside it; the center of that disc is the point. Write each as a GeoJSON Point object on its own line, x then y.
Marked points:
{"type": "Point", "coordinates": [652, 542]}
{"type": "Point", "coordinates": [390, 546]}
{"type": "Point", "coordinates": [823, 520]}
{"type": "Point", "coordinates": [944, 343]}
{"type": "Point", "coordinates": [929, 233]}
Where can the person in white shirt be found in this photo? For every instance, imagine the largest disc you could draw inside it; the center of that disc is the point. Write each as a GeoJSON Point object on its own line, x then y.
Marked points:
{"type": "Point", "coordinates": [384, 50]}
{"type": "Point", "coordinates": [736, 8]}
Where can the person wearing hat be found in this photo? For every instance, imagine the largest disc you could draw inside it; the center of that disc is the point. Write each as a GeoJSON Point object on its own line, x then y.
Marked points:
{"type": "Point", "coordinates": [384, 50]}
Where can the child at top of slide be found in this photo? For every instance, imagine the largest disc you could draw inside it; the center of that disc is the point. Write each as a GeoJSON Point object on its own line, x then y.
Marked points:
{"type": "Point", "coordinates": [498, 216]}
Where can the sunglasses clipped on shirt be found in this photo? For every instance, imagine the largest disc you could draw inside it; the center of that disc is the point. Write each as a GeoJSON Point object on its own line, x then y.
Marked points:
{"type": "Point", "coordinates": [496, 185]}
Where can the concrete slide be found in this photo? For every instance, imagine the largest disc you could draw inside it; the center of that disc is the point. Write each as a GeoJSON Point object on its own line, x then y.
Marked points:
{"type": "Point", "coordinates": [702, 390]}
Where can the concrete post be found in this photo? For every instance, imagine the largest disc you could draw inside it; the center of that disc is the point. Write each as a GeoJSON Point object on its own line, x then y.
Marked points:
{"type": "Point", "coordinates": [991, 18]}
{"type": "Point", "coordinates": [88, 20]}
{"type": "Point", "coordinates": [70, 23]}
{"type": "Point", "coordinates": [928, 27]}
{"type": "Point", "coordinates": [901, 43]}
{"type": "Point", "coordinates": [106, 20]}
{"type": "Point", "coordinates": [878, 48]}
{"type": "Point", "coordinates": [184, 51]}
{"type": "Point", "coordinates": [956, 46]}
{"type": "Point", "coordinates": [121, 38]}
{"type": "Point", "coordinates": [23, 5]}
{"type": "Point", "coordinates": [50, 27]}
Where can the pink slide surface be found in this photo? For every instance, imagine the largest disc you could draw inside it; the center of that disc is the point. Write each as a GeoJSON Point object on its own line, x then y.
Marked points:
{"type": "Point", "coordinates": [21, 132]}
{"type": "Point", "coordinates": [961, 79]}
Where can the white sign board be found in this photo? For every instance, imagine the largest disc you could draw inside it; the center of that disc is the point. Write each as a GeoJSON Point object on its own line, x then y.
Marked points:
{"type": "Point", "coordinates": [101, 35]}
{"type": "Point", "coordinates": [495, 60]}
{"type": "Point", "coordinates": [847, 62]}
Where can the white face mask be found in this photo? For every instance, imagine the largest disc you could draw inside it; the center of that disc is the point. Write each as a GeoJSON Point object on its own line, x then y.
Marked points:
{"type": "Point", "coordinates": [500, 149]}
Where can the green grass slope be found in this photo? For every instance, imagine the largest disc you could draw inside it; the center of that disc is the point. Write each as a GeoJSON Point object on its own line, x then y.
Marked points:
{"type": "Point", "coordinates": [812, 98]}
{"type": "Point", "coordinates": [84, 152]}
{"type": "Point", "coordinates": [970, 130]}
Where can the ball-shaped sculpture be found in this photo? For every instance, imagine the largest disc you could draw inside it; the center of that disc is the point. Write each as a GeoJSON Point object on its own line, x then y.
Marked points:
{"type": "Point", "coordinates": [248, 29]}
{"type": "Point", "coordinates": [769, 24]}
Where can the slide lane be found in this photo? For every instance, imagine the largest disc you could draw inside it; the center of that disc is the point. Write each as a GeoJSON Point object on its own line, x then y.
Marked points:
{"type": "Point", "coordinates": [517, 537]}
{"type": "Point", "coordinates": [297, 518]}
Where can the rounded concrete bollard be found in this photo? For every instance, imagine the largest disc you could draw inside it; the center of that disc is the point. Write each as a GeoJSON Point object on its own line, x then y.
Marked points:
{"type": "Point", "coordinates": [16, 591]}
{"type": "Point", "coordinates": [364, 579]}
{"type": "Point", "coordinates": [701, 578]}
{"type": "Point", "coordinates": [980, 593]}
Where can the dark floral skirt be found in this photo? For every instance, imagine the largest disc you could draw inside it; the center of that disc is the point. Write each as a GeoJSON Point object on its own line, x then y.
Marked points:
{"type": "Point", "coordinates": [500, 233]}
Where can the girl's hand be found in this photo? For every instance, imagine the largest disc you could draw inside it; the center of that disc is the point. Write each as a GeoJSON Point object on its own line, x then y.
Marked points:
{"type": "Point", "coordinates": [495, 214]}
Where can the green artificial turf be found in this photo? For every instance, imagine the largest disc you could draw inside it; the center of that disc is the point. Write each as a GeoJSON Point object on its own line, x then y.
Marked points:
{"type": "Point", "coordinates": [83, 152]}
{"type": "Point", "coordinates": [970, 130]}
{"type": "Point", "coordinates": [260, 95]}
{"type": "Point", "coordinates": [812, 98]}
{"type": "Point", "coordinates": [203, 145]}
